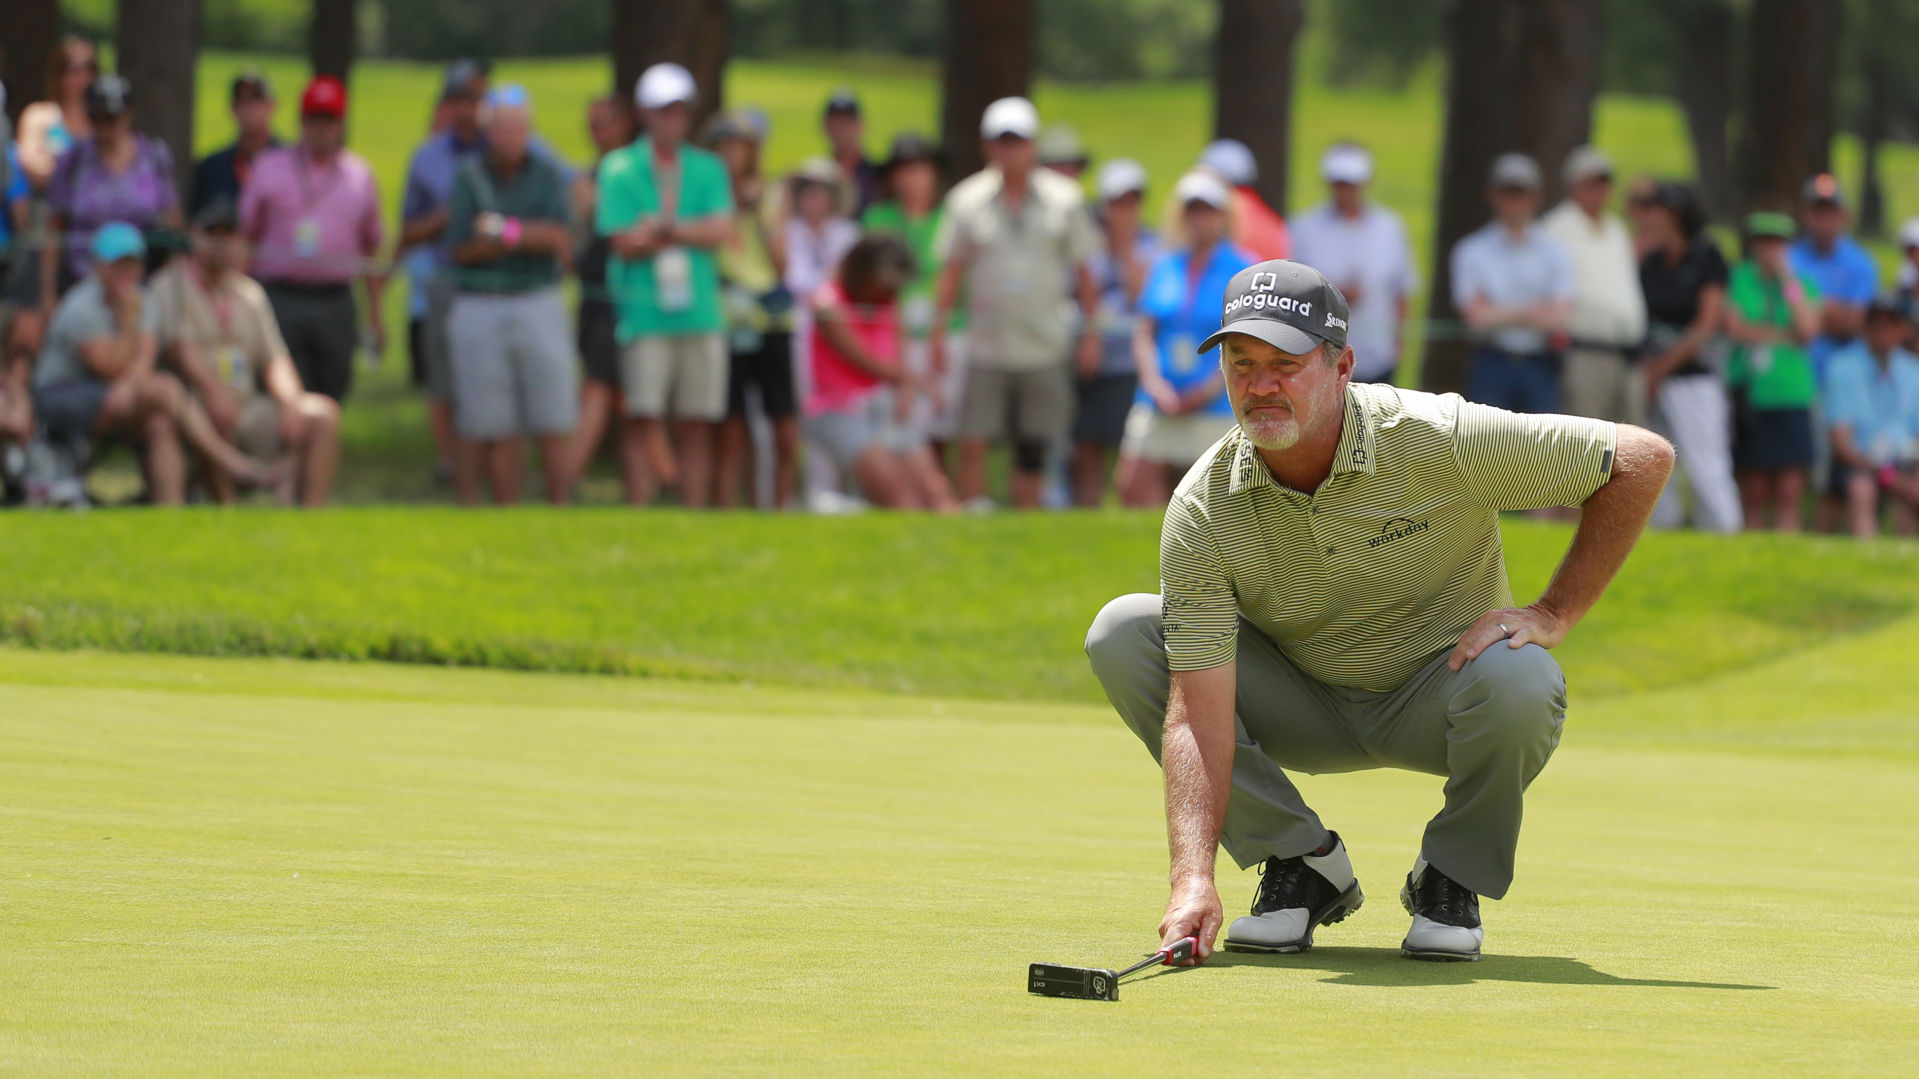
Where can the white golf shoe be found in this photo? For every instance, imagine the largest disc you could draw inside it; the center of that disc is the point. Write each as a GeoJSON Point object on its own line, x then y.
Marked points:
{"type": "Point", "coordinates": [1296, 895]}
{"type": "Point", "coordinates": [1446, 925]}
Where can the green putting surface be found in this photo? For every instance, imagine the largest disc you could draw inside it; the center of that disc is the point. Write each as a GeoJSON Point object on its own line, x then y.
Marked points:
{"type": "Point", "coordinates": [276, 867]}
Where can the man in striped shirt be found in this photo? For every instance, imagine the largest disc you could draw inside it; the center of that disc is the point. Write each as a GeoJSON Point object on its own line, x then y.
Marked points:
{"type": "Point", "coordinates": [1334, 597]}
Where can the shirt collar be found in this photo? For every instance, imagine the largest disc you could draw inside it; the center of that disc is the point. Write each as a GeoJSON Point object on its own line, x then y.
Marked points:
{"type": "Point", "coordinates": [1358, 450]}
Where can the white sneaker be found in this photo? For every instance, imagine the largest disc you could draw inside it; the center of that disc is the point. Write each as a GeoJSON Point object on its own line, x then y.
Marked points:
{"type": "Point", "coordinates": [1446, 926]}
{"type": "Point", "coordinates": [1297, 895]}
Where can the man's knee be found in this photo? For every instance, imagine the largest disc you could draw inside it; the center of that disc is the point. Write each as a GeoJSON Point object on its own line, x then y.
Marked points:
{"type": "Point", "coordinates": [1123, 628]}
{"type": "Point", "coordinates": [1520, 691]}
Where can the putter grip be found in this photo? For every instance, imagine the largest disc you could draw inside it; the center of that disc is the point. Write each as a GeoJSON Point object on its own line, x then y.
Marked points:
{"type": "Point", "coordinates": [1180, 949]}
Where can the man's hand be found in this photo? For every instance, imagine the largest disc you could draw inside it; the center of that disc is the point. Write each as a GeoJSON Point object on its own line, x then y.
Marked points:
{"type": "Point", "coordinates": [1193, 911]}
{"type": "Point", "coordinates": [1515, 625]}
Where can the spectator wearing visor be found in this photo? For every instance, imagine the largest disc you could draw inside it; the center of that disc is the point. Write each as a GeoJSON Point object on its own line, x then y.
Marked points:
{"type": "Point", "coordinates": [97, 379]}
{"type": "Point", "coordinates": [1181, 408]}
{"type": "Point", "coordinates": [1119, 271]}
{"type": "Point", "coordinates": [217, 331]}
{"type": "Point", "coordinates": [1772, 316]}
{"type": "Point", "coordinates": [115, 174]}
{"type": "Point", "coordinates": [1872, 411]}
{"type": "Point", "coordinates": [1608, 320]}
{"type": "Point", "coordinates": [220, 176]}
{"type": "Point", "coordinates": [513, 372]}
{"type": "Point", "coordinates": [312, 214]}
{"type": "Point", "coordinates": [845, 130]}
{"type": "Point", "coordinates": [428, 253]}
{"type": "Point", "coordinates": [1514, 287]}
{"type": "Point", "coordinates": [666, 208]}
{"type": "Point", "coordinates": [1360, 246]}
{"type": "Point", "coordinates": [1015, 234]}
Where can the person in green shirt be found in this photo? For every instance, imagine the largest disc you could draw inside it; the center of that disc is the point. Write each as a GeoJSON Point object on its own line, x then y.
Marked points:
{"type": "Point", "coordinates": [666, 207]}
{"type": "Point", "coordinates": [910, 180]}
{"type": "Point", "coordinates": [1772, 314]}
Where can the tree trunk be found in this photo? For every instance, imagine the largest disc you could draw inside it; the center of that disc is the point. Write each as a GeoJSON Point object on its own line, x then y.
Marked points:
{"type": "Point", "coordinates": [1253, 84]}
{"type": "Point", "coordinates": [1786, 131]}
{"type": "Point", "coordinates": [157, 44]}
{"type": "Point", "coordinates": [27, 37]}
{"type": "Point", "coordinates": [1521, 75]}
{"type": "Point", "coordinates": [989, 55]}
{"type": "Point", "coordinates": [335, 33]}
{"type": "Point", "coordinates": [691, 33]}
{"type": "Point", "coordinates": [1873, 124]}
{"type": "Point", "coordinates": [1703, 85]}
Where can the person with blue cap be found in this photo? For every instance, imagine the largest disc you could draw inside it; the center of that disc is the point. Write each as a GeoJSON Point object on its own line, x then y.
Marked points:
{"type": "Point", "coordinates": [96, 378]}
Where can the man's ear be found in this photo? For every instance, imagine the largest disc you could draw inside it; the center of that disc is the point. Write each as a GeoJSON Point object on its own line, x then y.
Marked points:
{"type": "Point", "coordinates": [1345, 362]}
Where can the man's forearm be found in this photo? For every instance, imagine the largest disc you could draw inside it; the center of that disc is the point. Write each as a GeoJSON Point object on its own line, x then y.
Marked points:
{"type": "Point", "coordinates": [1196, 752]}
{"type": "Point", "coordinates": [945, 295]}
{"type": "Point", "coordinates": [1609, 524]}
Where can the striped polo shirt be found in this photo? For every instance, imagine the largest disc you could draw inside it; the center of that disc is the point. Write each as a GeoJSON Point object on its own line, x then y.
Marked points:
{"type": "Point", "coordinates": [1392, 558]}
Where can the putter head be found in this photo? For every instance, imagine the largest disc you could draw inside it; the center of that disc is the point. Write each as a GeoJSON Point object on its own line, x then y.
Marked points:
{"type": "Point", "coordinates": [1077, 983]}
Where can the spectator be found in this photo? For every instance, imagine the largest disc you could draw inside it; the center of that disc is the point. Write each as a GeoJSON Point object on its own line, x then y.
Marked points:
{"type": "Point", "coordinates": [1909, 267]}
{"type": "Point", "coordinates": [1641, 205]}
{"type": "Point", "coordinates": [424, 236]}
{"type": "Point", "coordinates": [1257, 227]}
{"type": "Point", "coordinates": [609, 123]}
{"type": "Point", "coordinates": [1119, 272]}
{"type": "Point", "coordinates": [222, 174]}
{"type": "Point", "coordinates": [845, 131]}
{"type": "Point", "coordinates": [1514, 286]}
{"type": "Point", "coordinates": [1683, 279]}
{"type": "Point", "coordinates": [1013, 233]}
{"type": "Point", "coordinates": [513, 373]}
{"type": "Point", "coordinates": [1772, 314]}
{"type": "Point", "coordinates": [218, 331]}
{"type": "Point", "coordinates": [760, 316]}
{"type": "Point", "coordinates": [1360, 246]}
{"type": "Point", "coordinates": [49, 128]}
{"type": "Point", "coordinates": [1872, 409]}
{"type": "Point", "coordinates": [1181, 407]}
{"type": "Point", "coordinates": [96, 378]}
{"type": "Point", "coordinates": [861, 387]}
{"type": "Point", "coordinates": [115, 175]}
{"type": "Point", "coordinates": [1061, 150]}
{"type": "Point", "coordinates": [1842, 271]}
{"type": "Point", "coordinates": [910, 209]}
{"type": "Point", "coordinates": [1608, 319]}
{"type": "Point", "coordinates": [667, 207]}
{"type": "Point", "coordinates": [813, 234]}
{"type": "Point", "coordinates": [312, 213]}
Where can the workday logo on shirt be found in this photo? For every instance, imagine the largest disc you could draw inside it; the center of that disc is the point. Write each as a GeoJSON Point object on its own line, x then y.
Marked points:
{"type": "Point", "coordinates": [1398, 529]}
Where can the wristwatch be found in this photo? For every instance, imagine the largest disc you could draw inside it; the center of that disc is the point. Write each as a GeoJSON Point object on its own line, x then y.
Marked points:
{"type": "Point", "coordinates": [491, 225]}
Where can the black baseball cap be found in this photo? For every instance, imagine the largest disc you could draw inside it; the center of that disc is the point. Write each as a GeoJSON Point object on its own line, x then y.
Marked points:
{"type": "Point", "coordinates": [220, 213]}
{"type": "Point", "coordinates": [843, 100]}
{"type": "Point", "coordinates": [1289, 305]}
{"type": "Point", "coordinates": [910, 146]}
{"type": "Point", "coordinates": [109, 95]}
{"type": "Point", "coordinates": [253, 84]}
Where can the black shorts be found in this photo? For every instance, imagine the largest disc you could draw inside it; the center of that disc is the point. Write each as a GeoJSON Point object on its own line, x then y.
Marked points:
{"type": "Point", "coordinates": [1102, 404]}
{"type": "Point", "coordinates": [416, 351]}
{"type": "Point", "coordinates": [770, 369]}
{"type": "Point", "coordinates": [71, 407]}
{"type": "Point", "coordinates": [599, 343]}
{"type": "Point", "coordinates": [1772, 440]}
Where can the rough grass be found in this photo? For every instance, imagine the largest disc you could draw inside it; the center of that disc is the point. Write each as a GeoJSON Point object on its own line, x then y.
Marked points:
{"type": "Point", "coordinates": [976, 607]}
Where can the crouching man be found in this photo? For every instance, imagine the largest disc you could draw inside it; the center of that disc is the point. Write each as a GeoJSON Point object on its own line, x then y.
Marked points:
{"type": "Point", "coordinates": [1333, 597]}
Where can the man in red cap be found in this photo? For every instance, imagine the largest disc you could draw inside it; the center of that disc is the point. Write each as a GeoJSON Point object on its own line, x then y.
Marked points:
{"type": "Point", "coordinates": [312, 212]}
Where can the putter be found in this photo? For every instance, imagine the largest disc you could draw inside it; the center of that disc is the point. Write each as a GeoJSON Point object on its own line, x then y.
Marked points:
{"type": "Point", "coordinates": [1093, 983]}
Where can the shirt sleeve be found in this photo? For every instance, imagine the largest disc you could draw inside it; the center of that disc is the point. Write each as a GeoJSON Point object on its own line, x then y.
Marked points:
{"type": "Point", "coordinates": [557, 205]}
{"type": "Point", "coordinates": [372, 229]}
{"type": "Point", "coordinates": [252, 196]}
{"type": "Point", "coordinates": [1082, 243]}
{"type": "Point", "coordinates": [1198, 609]}
{"type": "Point", "coordinates": [617, 209]}
{"type": "Point", "coordinates": [166, 187]}
{"type": "Point", "coordinates": [1865, 282]}
{"type": "Point", "coordinates": [1466, 285]}
{"type": "Point", "coordinates": [460, 209]}
{"type": "Point", "coordinates": [1514, 461]}
{"type": "Point", "coordinates": [60, 184]}
{"type": "Point", "coordinates": [414, 198]}
{"type": "Point", "coordinates": [1844, 395]}
{"type": "Point", "coordinates": [947, 238]}
{"type": "Point", "coordinates": [1560, 266]}
{"type": "Point", "coordinates": [714, 193]}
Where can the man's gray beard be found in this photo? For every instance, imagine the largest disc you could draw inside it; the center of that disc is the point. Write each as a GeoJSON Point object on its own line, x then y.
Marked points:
{"type": "Point", "coordinates": [1285, 441]}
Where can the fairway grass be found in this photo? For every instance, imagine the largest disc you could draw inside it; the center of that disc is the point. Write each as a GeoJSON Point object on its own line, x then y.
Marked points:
{"type": "Point", "coordinates": [279, 867]}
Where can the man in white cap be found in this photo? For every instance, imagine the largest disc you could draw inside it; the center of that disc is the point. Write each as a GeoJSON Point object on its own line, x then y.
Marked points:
{"type": "Point", "coordinates": [1513, 286]}
{"type": "Point", "coordinates": [1257, 227]}
{"type": "Point", "coordinates": [665, 207]}
{"type": "Point", "coordinates": [1609, 309]}
{"type": "Point", "coordinates": [1015, 234]}
{"type": "Point", "coordinates": [1119, 271]}
{"type": "Point", "coordinates": [1362, 247]}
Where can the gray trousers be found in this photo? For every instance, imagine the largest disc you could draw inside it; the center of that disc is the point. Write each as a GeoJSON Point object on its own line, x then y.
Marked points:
{"type": "Point", "coordinates": [1489, 729]}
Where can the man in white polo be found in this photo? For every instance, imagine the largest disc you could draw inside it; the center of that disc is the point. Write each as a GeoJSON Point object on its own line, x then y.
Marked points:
{"type": "Point", "coordinates": [1334, 597]}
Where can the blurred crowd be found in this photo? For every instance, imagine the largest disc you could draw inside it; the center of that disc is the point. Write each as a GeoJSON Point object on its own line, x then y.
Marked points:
{"type": "Point", "coordinates": [863, 332]}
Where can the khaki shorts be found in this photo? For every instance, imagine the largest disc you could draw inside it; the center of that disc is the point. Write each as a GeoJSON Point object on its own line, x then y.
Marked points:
{"type": "Point", "coordinates": [682, 375]}
{"type": "Point", "coordinates": [1034, 406]}
{"type": "Point", "coordinates": [1171, 440]}
{"type": "Point", "coordinates": [257, 433]}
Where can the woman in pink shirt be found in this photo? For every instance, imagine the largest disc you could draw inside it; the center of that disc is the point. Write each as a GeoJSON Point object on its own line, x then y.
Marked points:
{"type": "Point", "coordinates": [861, 391]}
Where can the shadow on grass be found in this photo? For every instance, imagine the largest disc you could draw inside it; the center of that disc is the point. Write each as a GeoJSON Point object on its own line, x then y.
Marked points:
{"type": "Point", "coordinates": [1386, 967]}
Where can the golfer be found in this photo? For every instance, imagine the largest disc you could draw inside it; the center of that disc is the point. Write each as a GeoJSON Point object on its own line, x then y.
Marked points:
{"type": "Point", "coordinates": [1333, 597]}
